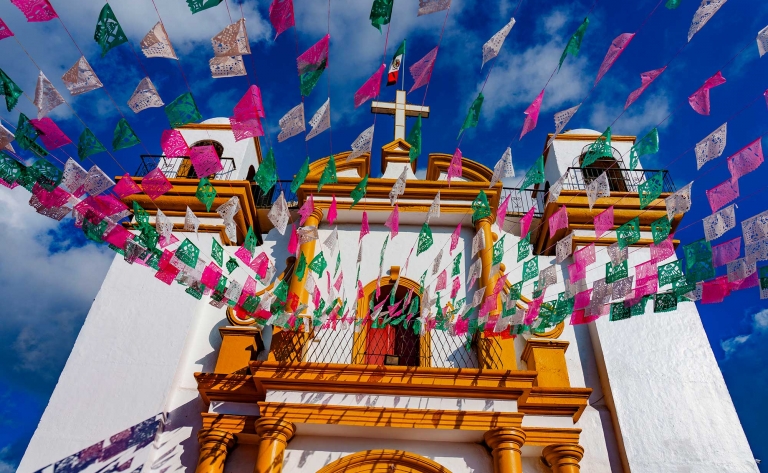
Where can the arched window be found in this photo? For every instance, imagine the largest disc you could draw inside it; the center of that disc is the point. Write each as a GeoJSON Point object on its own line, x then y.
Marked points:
{"type": "Point", "coordinates": [218, 146]}
{"type": "Point", "coordinates": [186, 169]}
{"type": "Point", "coordinates": [613, 166]}
{"type": "Point", "coordinates": [397, 342]}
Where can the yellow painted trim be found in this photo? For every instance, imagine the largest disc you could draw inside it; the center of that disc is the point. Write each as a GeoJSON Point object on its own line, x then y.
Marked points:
{"type": "Point", "coordinates": [363, 416]}
{"type": "Point", "coordinates": [228, 387]}
{"type": "Point", "coordinates": [554, 401]}
{"type": "Point", "coordinates": [384, 461]}
{"type": "Point", "coordinates": [471, 170]}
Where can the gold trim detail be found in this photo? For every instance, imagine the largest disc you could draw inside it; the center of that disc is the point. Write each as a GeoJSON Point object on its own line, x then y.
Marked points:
{"type": "Point", "coordinates": [383, 461]}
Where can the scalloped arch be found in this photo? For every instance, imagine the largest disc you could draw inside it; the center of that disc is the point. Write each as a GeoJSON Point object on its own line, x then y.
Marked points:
{"type": "Point", "coordinates": [384, 461]}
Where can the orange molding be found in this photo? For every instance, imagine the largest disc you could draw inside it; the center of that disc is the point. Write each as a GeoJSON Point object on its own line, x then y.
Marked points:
{"type": "Point", "coordinates": [383, 461]}
{"type": "Point", "coordinates": [397, 380]}
{"type": "Point", "coordinates": [228, 387]}
{"type": "Point", "coordinates": [555, 401]}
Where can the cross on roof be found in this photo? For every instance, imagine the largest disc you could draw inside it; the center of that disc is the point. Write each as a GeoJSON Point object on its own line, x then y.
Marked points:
{"type": "Point", "coordinates": [400, 109]}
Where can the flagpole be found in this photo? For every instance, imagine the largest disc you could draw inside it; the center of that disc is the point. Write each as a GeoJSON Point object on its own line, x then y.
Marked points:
{"type": "Point", "coordinates": [402, 66]}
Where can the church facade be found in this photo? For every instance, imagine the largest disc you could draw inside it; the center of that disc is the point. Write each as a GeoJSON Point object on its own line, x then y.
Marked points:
{"type": "Point", "coordinates": [159, 381]}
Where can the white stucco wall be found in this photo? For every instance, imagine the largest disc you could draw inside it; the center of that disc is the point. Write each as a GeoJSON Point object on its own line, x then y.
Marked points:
{"type": "Point", "coordinates": [243, 152]}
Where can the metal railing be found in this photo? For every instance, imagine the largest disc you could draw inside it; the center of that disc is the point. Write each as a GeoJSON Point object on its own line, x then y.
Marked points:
{"type": "Point", "coordinates": [619, 179]}
{"type": "Point", "coordinates": [522, 200]}
{"type": "Point", "coordinates": [264, 200]}
{"type": "Point", "coordinates": [181, 167]}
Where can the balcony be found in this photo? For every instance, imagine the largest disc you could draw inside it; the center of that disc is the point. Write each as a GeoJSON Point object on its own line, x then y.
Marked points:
{"type": "Point", "coordinates": [181, 167]}
{"type": "Point", "coordinates": [522, 200]}
{"type": "Point", "coordinates": [265, 200]}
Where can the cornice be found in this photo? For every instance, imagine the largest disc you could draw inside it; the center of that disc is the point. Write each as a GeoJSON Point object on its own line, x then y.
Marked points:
{"type": "Point", "coordinates": [555, 401]}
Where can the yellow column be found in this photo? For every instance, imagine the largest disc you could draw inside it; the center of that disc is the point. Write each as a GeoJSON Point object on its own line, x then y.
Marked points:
{"type": "Point", "coordinates": [290, 341]}
{"type": "Point", "coordinates": [493, 352]}
{"type": "Point", "coordinates": [214, 446]}
{"type": "Point", "coordinates": [563, 458]}
{"type": "Point", "coordinates": [274, 434]}
{"type": "Point", "coordinates": [505, 444]}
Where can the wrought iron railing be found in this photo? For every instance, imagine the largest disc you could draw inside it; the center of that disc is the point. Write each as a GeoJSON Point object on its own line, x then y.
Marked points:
{"type": "Point", "coordinates": [264, 200]}
{"type": "Point", "coordinates": [181, 167]}
{"type": "Point", "coordinates": [619, 179]}
{"type": "Point", "coordinates": [522, 200]}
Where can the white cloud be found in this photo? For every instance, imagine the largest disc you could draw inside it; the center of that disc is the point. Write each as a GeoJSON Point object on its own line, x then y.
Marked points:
{"type": "Point", "coordinates": [48, 283]}
{"type": "Point", "coordinates": [759, 330]}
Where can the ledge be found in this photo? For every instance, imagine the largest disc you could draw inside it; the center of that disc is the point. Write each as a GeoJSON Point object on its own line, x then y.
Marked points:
{"type": "Point", "coordinates": [397, 380]}
{"type": "Point", "coordinates": [228, 387]}
{"type": "Point", "coordinates": [555, 401]}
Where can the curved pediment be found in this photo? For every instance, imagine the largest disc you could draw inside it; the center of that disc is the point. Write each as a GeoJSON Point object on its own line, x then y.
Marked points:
{"type": "Point", "coordinates": [359, 165]}
{"type": "Point", "coordinates": [471, 171]}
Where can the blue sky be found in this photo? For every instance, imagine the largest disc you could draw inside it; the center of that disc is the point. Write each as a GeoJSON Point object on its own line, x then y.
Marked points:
{"type": "Point", "coordinates": [51, 275]}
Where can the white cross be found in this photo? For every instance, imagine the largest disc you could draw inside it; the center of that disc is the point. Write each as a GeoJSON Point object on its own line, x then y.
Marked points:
{"type": "Point", "coordinates": [400, 109]}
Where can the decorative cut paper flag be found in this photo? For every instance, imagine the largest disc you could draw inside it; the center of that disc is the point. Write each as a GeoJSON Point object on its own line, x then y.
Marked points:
{"type": "Point", "coordinates": [672, 4]}
{"type": "Point", "coordinates": [650, 190]}
{"type": "Point", "coordinates": [155, 184]}
{"type": "Point", "coordinates": [649, 144]}
{"type": "Point", "coordinates": [434, 208]}
{"type": "Point", "coordinates": [646, 78]}
{"type": "Point", "coordinates": [598, 188]}
{"type": "Point", "coordinates": [88, 145]}
{"type": "Point", "coordinates": [421, 71]}
{"type": "Point", "coordinates": [473, 114]}
{"type": "Point", "coordinates": [699, 100]}
{"type": "Point", "coordinates": [197, 6]}
{"type": "Point", "coordinates": [293, 241]}
{"type": "Point", "coordinates": [741, 269]}
{"type": "Point", "coordinates": [163, 225]}
{"type": "Point", "coordinates": [266, 175]}
{"type": "Point", "coordinates": [501, 212]}
{"type": "Point", "coordinates": [629, 233]}
{"type": "Point", "coordinates": [679, 202]}
{"type": "Point", "coordinates": [662, 250]}
{"type": "Point", "coordinates": [46, 96]}
{"type": "Point", "coordinates": [5, 138]}
{"type": "Point", "coordinates": [564, 248]}
{"type": "Point", "coordinates": [182, 110]}
{"type": "Point", "coordinates": [706, 10]}
{"type": "Point", "coordinates": [712, 146]}
{"type": "Point", "coordinates": [108, 33]}
{"type": "Point", "coordinates": [124, 137]}
{"type": "Point", "coordinates": [492, 47]}
{"type": "Point", "coordinates": [574, 43]}
{"type": "Point", "coordinates": [558, 220]}
{"type": "Point", "coordinates": [359, 191]}
{"type": "Point", "coordinates": [10, 90]}
{"type": "Point", "coordinates": [80, 78]}
{"type": "Point", "coordinates": [300, 176]}
{"type": "Point", "coordinates": [532, 114]}
{"type": "Point", "coordinates": [205, 160]}
{"type": "Point", "coordinates": [74, 176]}
{"type": "Point", "coordinates": [312, 63]}
{"type": "Point", "coordinates": [762, 41]}
{"type": "Point", "coordinates": [191, 222]}
{"type": "Point", "coordinates": [398, 188]}
{"type": "Point", "coordinates": [362, 144]}
{"type": "Point", "coordinates": [393, 222]}
{"type": "Point", "coordinates": [525, 222]}
{"type": "Point", "coordinates": [173, 144]}
{"type": "Point", "coordinates": [145, 96]}
{"type": "Point", "coordinates": [157, 44]}
{"type": "Point", "coordinates": [279, 214]}
{"type": "Point", "coordinates": [281, 15]}
{"type": "Point", "coordinates": [561, 119]}
{"type": "Point", "coordinates": [586, 255]}
{"type": "Point", "coordinates": [455, 286]}
{"type": "Point", "coordinates": [604, 222]}
{"type": "Point", "coordinates": [50, 134]}
{"type": "Point", "coordinates": [329, 175]}
{"type": "Point", "coordinates": [442, 279]}
{"type": "Point", "coordinates": [292, 123]}
{"type": "Point", "coordinates": [535, 174]}
{"type": "Point", "coordinates": [36, 10]}
{"type": "Point", "coordinates": [231, 41]}
{"type": "Point", "coordinates": [425, 239]}
{"type": "Point", "coordinates": [370, 88]}
{"type": "Point", "coordinates": [26, 134]}
{"type": "Point", "coordinates": [321, 120]}
{"type": "Point", "coordinates": [617, 47]}
{"type": "Point", "coordinates": [96, 181]}
{"type": "Point", "coordinates": [601, 148]}
{"type": "Point", "coordinates": [5, 32]}
{"type": "Point", "coordinates": [381, 13]}
{"type": "Point", "coordinates": [722, 193]}
{"type": "Point", "coordinates": [755, 229]}
{"type": "Point", "coordinates": [228, 66]}
{"type": "Point", "coordinates": [717, 224]}
{"type": "Point", "coordinates": [306, 210]}
{"type": "Point", "coordinates": [746, 160]}
{"type": "Point", "coordinates": [246, 117]}
{"type": "Point", "coordinates": [332, 211]}
{"type": "Point", "coordinates": [364, 228]}
{"type": "Point", "coordinates": [414, 139]}
{"type": "Point", "coordinates": [454, 168]}
{"type": "Point", "coordinates": [455, 238]}
{"type": "Point", "coordinates": [503, 168]}
{"type": "Point", "coordinates": [432, 6]}
{"type": "Point", "coordinates": [724, 253]}
{"type": "Point", "coordinates": [480, 207]}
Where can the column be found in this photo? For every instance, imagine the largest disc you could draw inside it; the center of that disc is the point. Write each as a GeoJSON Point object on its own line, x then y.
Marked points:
{"type": "Point", "coordinates": [493, 352]}
{"type": "Point", "coordinates": [505, 444]}
{"type": "Point", "coordinates": [274, 434]}
{"type": "Point", "coordinates": [214, 446]}
{"type": "Point", "coordinates": [563, 458]}
{"type": "Point", "coordinates": [290, 341]}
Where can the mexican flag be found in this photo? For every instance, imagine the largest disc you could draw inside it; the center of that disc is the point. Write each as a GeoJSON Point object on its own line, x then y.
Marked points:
{"type": "Point", "coordinates": [394, 67]}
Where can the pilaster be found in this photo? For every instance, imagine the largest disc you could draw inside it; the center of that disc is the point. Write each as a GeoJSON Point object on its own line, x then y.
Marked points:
{"type": "Point", "coordinates": [505, 444]}
{"type": "Point", "coordinates": [547, 358]}
{"type": "Point", "coordinates": [274, 434]}
{"type": "Point", "coordinates": [563, 458]}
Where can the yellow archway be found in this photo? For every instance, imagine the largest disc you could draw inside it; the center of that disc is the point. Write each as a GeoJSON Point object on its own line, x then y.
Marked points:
{"type": "Point", "coordinates": [384, 461]}
{"type": "Point", "coordinates": [361, 337]}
